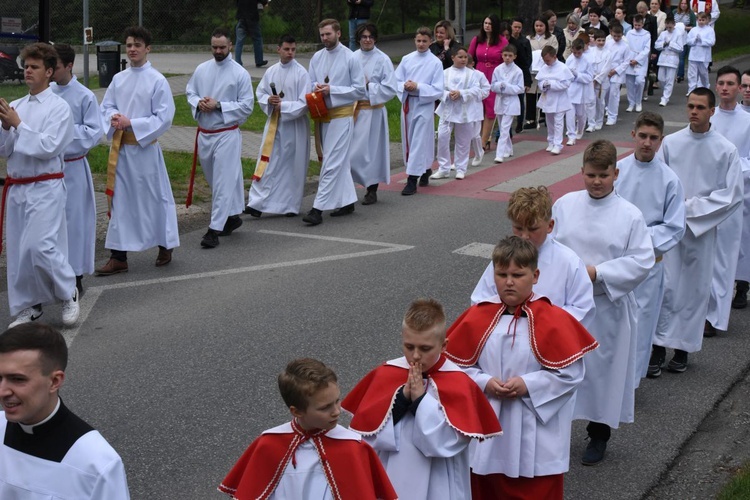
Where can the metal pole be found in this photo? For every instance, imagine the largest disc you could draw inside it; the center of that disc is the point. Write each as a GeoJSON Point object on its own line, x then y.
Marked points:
{"type": "Point", "coordinates": [140, 12]}
{"type": "Point", "coordinates": [85, 45]}
{"type": "Point", "coordinates": [44, 21]}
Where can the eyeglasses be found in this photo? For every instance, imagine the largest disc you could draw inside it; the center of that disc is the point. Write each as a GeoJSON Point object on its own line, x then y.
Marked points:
{"type": "Point", "coordinates": [367, 37]}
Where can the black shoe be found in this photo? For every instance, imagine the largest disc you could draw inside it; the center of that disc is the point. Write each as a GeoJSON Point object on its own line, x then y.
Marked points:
{"type": "Point", "coordinates": [679, 362]}
{"type": "Point", "coordinates": [313, 217]}
{"type": "Point", "coordinates": [740, 297]}
{"type": "Point", "coordinates": [371, 196]}
{"type": "Point", "coordinates": [253, 212]}
{"type": "Point", "coordinates": [518, 130]}
{"type": "Point", "coordinates": [529, 125]}
{"type": "Point", "coordinates": [680, 79]}
{"type": "Point", "coordinates": [290, 214]}
{"type": "Point", "coordinates": [594, 452]}
{"type": "Point", "coordinates": [658, 356]}
{"type": "Point", "coordinates": [79, 285]}
{"type": "Point", "coordinates": [709, 330]}
{"type": "Point", "coordinates": [411, 186]}
{"type": "Point", "coordinates": [425, 179]}
{"type": "Point", "coordinates": [232, 223]}
{"type": "Point", "coordinates": [210, 239]}
{"type": "Point", "coordinates": [262, 63]}
{"type": "Point", "coordinates": [346, 210]}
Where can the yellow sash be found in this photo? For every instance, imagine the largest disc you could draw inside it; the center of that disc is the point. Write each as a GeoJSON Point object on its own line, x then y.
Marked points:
{"type": "Point", "coordinates": [119, 138]}
{"type": "Point", "coordinates": [333, 114]}
{"type": "Point", "coordinates": [267, 149]}
{"type": "Point", "coordinates": [365, 105]}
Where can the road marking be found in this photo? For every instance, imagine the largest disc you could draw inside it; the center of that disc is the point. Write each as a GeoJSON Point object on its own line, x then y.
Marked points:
{"type": "Point", "coordinates": [475, 249]}
{"type": "Point", "coordinates": [676, 124]}
{"type": "Point", "coordinates": [93, 293]}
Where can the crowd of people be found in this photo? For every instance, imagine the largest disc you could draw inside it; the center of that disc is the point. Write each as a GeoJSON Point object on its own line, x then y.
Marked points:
{"type": "Point", "coordinates": [570, 314]}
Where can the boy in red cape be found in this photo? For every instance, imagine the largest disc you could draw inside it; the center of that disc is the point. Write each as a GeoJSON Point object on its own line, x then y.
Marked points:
{"type": "Point", "coordinates": [421, 411]}
{"type": "Point", "coordinates": [311, 456]}
{"type": "Point", "coordinates": [527, 356]}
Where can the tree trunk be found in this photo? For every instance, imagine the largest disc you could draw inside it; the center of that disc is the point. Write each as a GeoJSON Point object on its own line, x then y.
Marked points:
{"type": "Point", "coordinates": [529, 10]}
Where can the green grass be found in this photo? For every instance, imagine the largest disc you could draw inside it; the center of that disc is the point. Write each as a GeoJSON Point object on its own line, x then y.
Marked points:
{"type": "Point", "coordinates": [731, 29]}
{"type": "Point", "coordinates": [739, 487]}
{"type": "Point", "coordinates": [178, 170]}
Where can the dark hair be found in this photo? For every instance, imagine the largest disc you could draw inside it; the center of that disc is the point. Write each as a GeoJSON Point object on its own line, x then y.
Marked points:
{"type": "Point", "coordinates": [286, 38]}
{"type": "Point", "coordinates": [65, 53]}
{"type": "Point", "coordinates": [638, 18]}
{"type": "Point", "coordinates": [578, 43]}
{"type": "Point", "coordinates": [366, 27]}
{"type": "Point", "coordinates": [424, 31]}
{"type": "Point", "coordinates": [138, 32]}
{"type": "Point", "coordinates": [729, 70]}
{"type": "Point", "coordinates": [221, 32]}
{"type": "Point", "coordinates": [515, 250]}
{"type": "Point", "coordinates": [510, 48]}
{"type": "Point", "coordinates": [53, 351]}
{"type": "Point", "coordinates": [747, 72]}
{"type": "Point", "coordinates": [600, 154]}
{"type": "Point", "coordinates": [457, 48]}
{"type": "Point", "coordinates": [703, 91]}
{"type": "Point", "coordinates": [517, 20]}
{"type": "Point", "coordinates": [614, 28]}
{"type": "Point", "coordinates": [669, 19]}
{"type": "Point", "coordinates": [549, 50]}
{"type": "Point", "coordinates": [595, 10]}
{"type": "Point", "coordinates": [542, 20]}
{"type": "Point", "coordinates": [494, 38]}
{"type": "Point", "coordinates": [302, 378]}
{"type": "Point", "coordinates": [43, 51]}
{"type": "Point", "coordinates": [651, 119]}
{"type": "Point", "coordinates": [549, 14]}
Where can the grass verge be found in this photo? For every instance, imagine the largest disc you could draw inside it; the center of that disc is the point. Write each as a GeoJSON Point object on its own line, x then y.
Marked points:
{"type": "Point", "coordinates": [731, 30]}
{"type": "Point", "coordinates": [739, 487]}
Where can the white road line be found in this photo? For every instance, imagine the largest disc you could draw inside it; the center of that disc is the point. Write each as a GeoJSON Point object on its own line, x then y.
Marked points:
{"type": "Point", "coordinates": [475, 249]}
{"type": "Point", "coordinates": [676, 124]}
{"type": "Point", "coordinates": [93, 293]}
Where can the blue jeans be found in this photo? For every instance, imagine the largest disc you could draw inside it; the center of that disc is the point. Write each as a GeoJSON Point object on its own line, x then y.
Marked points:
{"type": "Point", "coordinates": [353, 23]}
{"type": "Point", "coordinates": [683, 62]}
{"type": "Point", "coordinates": [251, 28]}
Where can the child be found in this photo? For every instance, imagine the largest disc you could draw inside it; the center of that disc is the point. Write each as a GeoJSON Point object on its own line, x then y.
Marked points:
{"type": "Point", "coordinates": [507, 83]}
{"type": "Point", "coordinates": [476, 142]}
{"type": "Point", "coordinates": [700, 39]}
{"type": "Point", "coordinates": [619, 61]}
{"type": "Point", "coordinates": [563, 277]}
{"type": "Point", "coordinates": [420, 429]}
{"type": "Point", "coordinates": [580, 92]}
{"type": "Point", "coordinates": [457, 115]}
{"type": "Point", "coordinates": [311, 456]}
{"type": "Point", "coordinates": [639, 42]}
{"type": "Point", "coordinates": [419, 80]}
{"type": "Point", "coordinates": [670, 42]}
{"type": "Point", "coordinates": [618, 258]}
{"type": "Point", "coordinates": [649, 184]}
{"type": "Point", "coordinates": [599, 56]}
{"type": "Point", "coordinates": [554, 78]}
{"type": "Point", "coordinates": [529, 363]}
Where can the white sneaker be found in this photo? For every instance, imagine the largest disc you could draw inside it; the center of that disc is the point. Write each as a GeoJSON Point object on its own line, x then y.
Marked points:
{"type": "Point", "coordinates": [598, 127]}
{"type": "Point", "coordinates": [453, 166]}
{"type": "Point", "coordinates": [477, 160]}
{"type": "Point", "coordinates": [507, 155]}
{"type": "Point", "coordinates": [638, 108]}
{"type": "Point", "coordinates": [579, 135]}
{"type": "Point", "coordinates": [571, 142]}
{"type": "Point", "coordinates": [460, 175]}
{"type": "Point", "coordinates": [630, 109]}
{"type": "Point", "coordinates": [663, 103]}
{"type": "Point", "coordinates": [549, 148]}
{"type": "Point", "coordinates": [498, 159]}
{"type": "Point", "coordinates": [71, 310]}
{"type": "Point", "coordinates": [556, 150]}
{"type": "Point", "coordinates": [28, 315]}
{"type": "Point", "coordinates": [610, 122]}
{"type": "Point", "coordinates": [590, 128]}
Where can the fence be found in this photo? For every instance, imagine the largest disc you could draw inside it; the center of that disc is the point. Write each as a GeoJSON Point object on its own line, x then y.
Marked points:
{"type": "Point", "coordinates": [187, 22]}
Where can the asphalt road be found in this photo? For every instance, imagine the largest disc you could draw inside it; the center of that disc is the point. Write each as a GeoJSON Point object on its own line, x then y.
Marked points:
{"type": "Point", "coordinates": [176, 366]}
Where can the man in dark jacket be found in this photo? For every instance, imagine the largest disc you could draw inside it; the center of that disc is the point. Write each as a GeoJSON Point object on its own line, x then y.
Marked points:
{"type": "Point", "coordinates": [359, 13]}
{"type": "Point", "coordinates": [523, 61]}
{"type": "Point", "coordinates": [248, 23]}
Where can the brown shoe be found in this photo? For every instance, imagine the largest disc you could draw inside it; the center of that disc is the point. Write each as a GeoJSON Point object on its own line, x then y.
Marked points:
{"type": "Point", "coordinates": [113, 266]}
{"type": "Point", "coordinates": [164, 257]}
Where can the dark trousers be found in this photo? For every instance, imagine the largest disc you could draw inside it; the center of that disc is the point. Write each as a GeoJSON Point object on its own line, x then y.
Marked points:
{"type": "Point", "coordinates": [599, 431]}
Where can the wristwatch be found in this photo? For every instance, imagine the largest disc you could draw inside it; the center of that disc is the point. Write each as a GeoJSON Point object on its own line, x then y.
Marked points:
{"type": "Point", "coordinates": [218, 106]}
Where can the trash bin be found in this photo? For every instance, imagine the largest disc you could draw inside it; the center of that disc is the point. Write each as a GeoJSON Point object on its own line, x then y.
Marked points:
{"type": "Point", "coordinates": [107, 61]}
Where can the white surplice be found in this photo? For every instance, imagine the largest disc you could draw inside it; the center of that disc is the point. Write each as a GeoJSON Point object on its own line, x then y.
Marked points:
{"type": "Point", "coordinates": [36, 243]}
{"type": "Point", "coordinates": [623, 256]}
{"type": "Point", "coordinates": [282, 186]}
{"type": "Point", "coordinates": [220, 152]}
{"type": "Point", "coordinates": [734, 125]}
{"type": "Point", "coordinates": [143, 211]}
{"type": "Point", "coordinates": [709, 169]}
{"type": "Point", "coordinates": [562, 279]}
{"type": "Point", "coordinates": [418, 125]}
{"type": "Point", "coordinates": [80, 207]}
{"type": "Point", "coordinates": [346, 78]}
{"type": "Point", "coordinates": [423, 455]}
{"type": "Point", "coordinates": [370, 154]}
{"type": "Point", "coordinates": [656, 190]}
{"type": "Point", "coordinates": [536, 438]}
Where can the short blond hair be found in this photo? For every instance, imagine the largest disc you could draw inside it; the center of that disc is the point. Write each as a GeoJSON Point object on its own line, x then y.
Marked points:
{"type": "Point", "coordinates": [329, 22]}
{"type": "Point", "coordinates": [425, 314]}
{"type": "Point", "coordinates": [600, 154]}
{"type": "Point", "coordinates": [301, 379]}
{"type": "Point", "coordinates": [530, 205]}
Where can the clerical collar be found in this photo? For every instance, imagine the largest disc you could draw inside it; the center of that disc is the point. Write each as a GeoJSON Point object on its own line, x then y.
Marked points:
{"type": "Point", "coordinates": [734, 107]}
{"type": "Point", "coordinates": [29, 429]}
{"type": "Point", "coordinates": [699, 134]}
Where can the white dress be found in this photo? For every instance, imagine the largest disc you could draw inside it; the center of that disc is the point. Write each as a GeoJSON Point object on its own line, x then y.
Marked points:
{"type": "Point", "coordinates": [282, 186]}
{"type": "Point", "coordinates": [712, 192]}
{"type": "Point", "coordinates": [80, 208]}
{"type": "Point", "coordinates": [656, 190]}
{"type": "Point", "coordinates": [623, 256]}
{"type": "Point", "coordinates": [220, 152]}
{"type": "Point", "coordinates": [143, 211]}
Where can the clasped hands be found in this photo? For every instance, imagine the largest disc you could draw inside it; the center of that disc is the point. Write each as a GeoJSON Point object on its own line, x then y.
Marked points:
{"type": "Point", "coordinates": [207, 104]}
{"type": "Point", "coordinates": [512, 388]}
{"type": "Point", "coordinates": [414, 387]}
{"type": "Point", "coordinates": [8, 116]}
